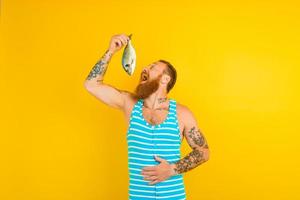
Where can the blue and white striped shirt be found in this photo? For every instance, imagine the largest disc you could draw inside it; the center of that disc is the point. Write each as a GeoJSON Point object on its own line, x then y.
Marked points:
{"type": "Point", "coordinates": [146, 140]}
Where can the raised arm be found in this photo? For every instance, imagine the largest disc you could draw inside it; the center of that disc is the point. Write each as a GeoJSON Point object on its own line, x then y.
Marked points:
{"type": "Point", "coordinates": [196, 140]}
{"type": "Point", "coordinates": [94, 84]}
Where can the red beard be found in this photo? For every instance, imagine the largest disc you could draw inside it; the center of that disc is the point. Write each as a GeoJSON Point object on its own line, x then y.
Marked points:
{"type": "Point", "coordinates": [144, 90]}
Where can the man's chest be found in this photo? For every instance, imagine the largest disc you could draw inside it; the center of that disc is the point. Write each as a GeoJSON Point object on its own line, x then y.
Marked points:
{"type": "Point", "coordinates": [156, 117]}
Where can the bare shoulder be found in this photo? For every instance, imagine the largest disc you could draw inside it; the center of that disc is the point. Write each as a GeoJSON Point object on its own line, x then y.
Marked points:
{"type": "Point", "coordinates": [185, 115]}
{"type": "Point", "coordinates": [184, 111]}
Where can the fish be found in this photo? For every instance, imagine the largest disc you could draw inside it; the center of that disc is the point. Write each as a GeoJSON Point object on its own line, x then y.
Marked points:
{"type": "Point", "coordinates": [129, 57]}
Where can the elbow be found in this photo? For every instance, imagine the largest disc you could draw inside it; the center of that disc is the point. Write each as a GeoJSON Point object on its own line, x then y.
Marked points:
{"type": "Point", "coordinates": [90, 84]}
{"type": "Point", "coordinates": [206, 154]}
{"type": "Point", "coordinates": [203, 153]}
{"type": "Point", "coordinates": [86, 85]}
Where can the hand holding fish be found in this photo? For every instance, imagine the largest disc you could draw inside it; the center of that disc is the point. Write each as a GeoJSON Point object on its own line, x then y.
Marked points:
{"type": "Point", "coordinates": [117, 42]}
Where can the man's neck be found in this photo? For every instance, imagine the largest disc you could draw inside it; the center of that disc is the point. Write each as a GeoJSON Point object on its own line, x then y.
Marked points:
{"type": "Point", "coordinates": [156, 100]}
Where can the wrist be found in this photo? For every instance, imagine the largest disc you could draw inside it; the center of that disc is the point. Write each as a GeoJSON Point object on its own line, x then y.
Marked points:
{"type": "Point", "coordinates": [111, 52]}
{"type": "Point", "coordinates": [173, 169]}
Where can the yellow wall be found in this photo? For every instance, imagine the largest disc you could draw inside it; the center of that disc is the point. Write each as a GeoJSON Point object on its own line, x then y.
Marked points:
{"type": "Point", "coordinates": [237, 64]}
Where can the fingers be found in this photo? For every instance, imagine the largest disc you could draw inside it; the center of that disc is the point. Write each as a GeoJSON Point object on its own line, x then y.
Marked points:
{"type": "Point", "coordinates": [118, 42]}
{"type": "Point", "coordinates": [150, 178]}
{"type": "Point", "coordinates": [149, 173]}
{"type": "Point", "coordinates": [154, 182]}
{"type": "Point", "coordinates": [149, 168]}
{"type": "Point", "coordinates": [121, 39]}
{"type": "Point", "coordinates": [124, 41]}
{"type": "Point", "coordinates": [125, 38]}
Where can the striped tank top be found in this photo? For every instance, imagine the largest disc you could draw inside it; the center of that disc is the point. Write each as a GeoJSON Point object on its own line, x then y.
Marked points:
{"type": "Point", "coordinates": [145, 140]}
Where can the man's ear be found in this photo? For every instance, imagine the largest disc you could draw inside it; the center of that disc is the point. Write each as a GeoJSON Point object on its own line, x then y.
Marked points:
{"type": "Point", "coordinates": [165, 78]}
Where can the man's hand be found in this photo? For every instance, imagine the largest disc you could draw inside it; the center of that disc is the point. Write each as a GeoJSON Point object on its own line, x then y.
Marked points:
{"type": "Point", "coordinates": [159, 172]}
{"type": "Point", "coordinates": [117, 42]}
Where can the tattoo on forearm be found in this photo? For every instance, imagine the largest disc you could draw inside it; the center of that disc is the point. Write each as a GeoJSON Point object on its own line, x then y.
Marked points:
{"type": "Point", "coordinates": [196, 157]}
{"type": "Point", "coordinates": [100, 67]}
{"type": "Point", "coordinates": [192, 160]}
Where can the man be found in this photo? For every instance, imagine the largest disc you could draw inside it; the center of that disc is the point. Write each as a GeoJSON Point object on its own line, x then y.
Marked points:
{"type": "Point", "coordinates": [157, 125]}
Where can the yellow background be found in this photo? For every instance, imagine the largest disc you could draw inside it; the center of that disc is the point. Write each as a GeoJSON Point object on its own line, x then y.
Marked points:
{"type": "Point", "coordinates": [237, 63]}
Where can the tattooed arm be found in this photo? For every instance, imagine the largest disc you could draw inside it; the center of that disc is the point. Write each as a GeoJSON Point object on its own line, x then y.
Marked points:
{"type": "Point", "coordinates": [196, 140]}
{"type": "Point", "coordinates": [94, 81]}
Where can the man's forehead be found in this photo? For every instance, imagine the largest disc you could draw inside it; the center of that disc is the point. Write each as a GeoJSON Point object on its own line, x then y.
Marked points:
{"type": "Point", "coordinates": [157, 63]}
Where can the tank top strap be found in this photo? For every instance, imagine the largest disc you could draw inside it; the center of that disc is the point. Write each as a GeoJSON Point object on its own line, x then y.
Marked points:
{"type": "Point", "coordinates": [136, 109]}
{"type": "Point", "coordinates": [138, 104]}
{"type": "Point", "coordinates": [172, 108]}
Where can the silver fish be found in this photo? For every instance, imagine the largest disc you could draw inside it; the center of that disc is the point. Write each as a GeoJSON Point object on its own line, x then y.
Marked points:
{"type": "Point", "coordinates": [129, 58]}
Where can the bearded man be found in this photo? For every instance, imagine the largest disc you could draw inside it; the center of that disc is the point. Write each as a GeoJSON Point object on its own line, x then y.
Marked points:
{"type": "Point", "coordinates": [157, 125]}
